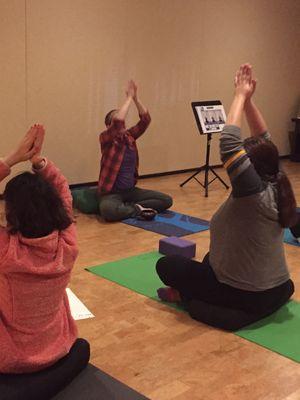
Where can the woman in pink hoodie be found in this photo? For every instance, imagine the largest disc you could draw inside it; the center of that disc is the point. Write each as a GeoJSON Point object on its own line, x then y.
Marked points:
{"type": "Point", "coordinates": [38, 248]}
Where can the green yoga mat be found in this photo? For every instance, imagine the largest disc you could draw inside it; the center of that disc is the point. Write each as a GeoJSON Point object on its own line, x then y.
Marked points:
{"type": "Point", "coordinates": [136, 273]}
{"type": "Point", "coordinates": [279, 332]}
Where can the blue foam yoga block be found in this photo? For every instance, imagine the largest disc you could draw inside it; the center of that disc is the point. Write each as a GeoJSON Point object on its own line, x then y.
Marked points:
{"type": "Point", "coordinates": [175, 246]}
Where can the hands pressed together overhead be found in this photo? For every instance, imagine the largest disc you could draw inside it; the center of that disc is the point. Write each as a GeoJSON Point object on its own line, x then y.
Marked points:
{"type": "Point", "coordinates": [245, 86]}
{"type": "Point", "coordinates": [29, 147]}
{"type": "Point", "coordinates": [131, 90]}
{"type": "Point", "coordinates": [244, 82]}
{"type": "Point", "coordinates": [38, 144]}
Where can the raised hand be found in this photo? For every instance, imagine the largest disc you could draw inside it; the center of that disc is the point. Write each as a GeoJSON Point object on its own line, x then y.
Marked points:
{"type": "Point", "coordinates": [244, 83]}
{"type": "Point", "coordinates": [135, 91]}
{"type": "Point", "coordinates": [26, 148]}
{"type": "Point", "coordinates": [249, 70]}
{"type": "Point", "coordinates": [131, 90]}
{"type": "Point", "coordinates": [38, 144]}
{"type": "Point", "coordinates": [254, 82]}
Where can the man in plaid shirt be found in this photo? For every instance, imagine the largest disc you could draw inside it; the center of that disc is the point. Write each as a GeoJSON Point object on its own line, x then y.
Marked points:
{"type": "Point", "coordinates": [119, 198]}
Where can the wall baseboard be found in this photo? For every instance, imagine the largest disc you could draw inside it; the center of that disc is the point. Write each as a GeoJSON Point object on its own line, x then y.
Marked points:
{"type": "Point", "coordinates": [84, 184]}
{"type": "Point", "coordinates": [159, 174]}
{"type": "Point", "coordinates": [155, 175]}
{"type": "Point", "coordinates": [146, 176]}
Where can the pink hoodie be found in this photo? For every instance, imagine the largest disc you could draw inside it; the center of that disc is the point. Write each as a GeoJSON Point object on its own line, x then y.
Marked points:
{"type": "Point", "coordinates": [36, 326]}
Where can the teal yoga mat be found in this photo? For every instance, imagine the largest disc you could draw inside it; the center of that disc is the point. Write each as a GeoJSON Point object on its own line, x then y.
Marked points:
{"type": "Point", "coordinates": [289, 238]}
{"type": "Point", "coordinates": [279, 332]}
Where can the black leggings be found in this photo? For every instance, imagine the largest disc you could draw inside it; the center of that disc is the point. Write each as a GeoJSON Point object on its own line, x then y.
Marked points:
{"type": "Point", "coordinates": [43, 385]}
{"type": "Point", "coordinates": [198, 286]}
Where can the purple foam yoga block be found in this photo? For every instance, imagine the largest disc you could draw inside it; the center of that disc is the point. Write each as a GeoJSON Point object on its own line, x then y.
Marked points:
{"type": "Point", "coordinates": [174, 245]}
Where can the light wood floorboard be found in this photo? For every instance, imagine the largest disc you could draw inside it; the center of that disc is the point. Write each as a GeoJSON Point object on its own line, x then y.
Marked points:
{"type": "Point", "coordinates": [158, 351]}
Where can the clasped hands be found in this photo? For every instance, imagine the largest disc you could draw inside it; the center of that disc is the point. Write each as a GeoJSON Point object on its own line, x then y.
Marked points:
{"type": "Point", "coordinates": [29, 148]}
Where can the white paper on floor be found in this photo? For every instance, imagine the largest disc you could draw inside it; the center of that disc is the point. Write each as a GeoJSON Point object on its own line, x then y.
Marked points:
{"type": "Point", "coordinates": [78, 309]}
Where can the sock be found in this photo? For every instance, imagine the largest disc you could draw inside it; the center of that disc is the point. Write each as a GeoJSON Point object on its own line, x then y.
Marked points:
{"type": "Point", "coordinates": [141, 209]}
{"type": "Point", "coordinates": [168, 294]}
{"type": "Point", "coordinates": [146, 214]}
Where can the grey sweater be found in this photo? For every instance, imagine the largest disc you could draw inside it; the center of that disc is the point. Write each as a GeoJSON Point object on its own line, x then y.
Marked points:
{"type": "Point", "coordinates": [246, 244]}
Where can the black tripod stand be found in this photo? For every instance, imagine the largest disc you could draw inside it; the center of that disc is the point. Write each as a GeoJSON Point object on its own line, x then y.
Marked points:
{"type": "Point", "coordinates": [206, 168]}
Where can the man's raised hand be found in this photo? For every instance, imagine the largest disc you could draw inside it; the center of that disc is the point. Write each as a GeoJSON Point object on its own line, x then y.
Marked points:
{"type": "Point", "coordinates": [131, 90]}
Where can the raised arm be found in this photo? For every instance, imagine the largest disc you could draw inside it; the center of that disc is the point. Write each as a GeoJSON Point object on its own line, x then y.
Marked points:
{"type": "Point", "coordinates": [244, 89]}
{"type": "Point", "coordinates": [145, 119]}
{"type": "Point", "coordinates": [51, 173]}
{"type": "Point", "coordinates": [244, 179]}
{"type": "Point", "coordinates": [255, 119]}
{"type": "Point", "coordinates": [121, 114]}
{"type": "Point", "coordinates": [25, 149]}
{"type": "Point", "coordinates": [118, 119]}
{"type": "Point", "coordinates": [23, 152]}
{"type": "Point", "coordinates": [139, 106]}
{"type": "Point", "coordinates": [4, 170]}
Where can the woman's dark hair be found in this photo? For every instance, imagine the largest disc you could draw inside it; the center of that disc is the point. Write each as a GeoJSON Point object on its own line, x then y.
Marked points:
{"type": "Point", "coordinates": [265, 158]}
{"type": "Point", "coordinates": [33, 206]}
{"type": "Point", "coordinates": [108, 117]}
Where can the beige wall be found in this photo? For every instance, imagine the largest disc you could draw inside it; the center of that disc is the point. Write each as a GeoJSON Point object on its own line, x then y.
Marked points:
{"type": "Point", "coordinates": [12, 74]}
{"type": "Point", "coordinates": [73, 64]}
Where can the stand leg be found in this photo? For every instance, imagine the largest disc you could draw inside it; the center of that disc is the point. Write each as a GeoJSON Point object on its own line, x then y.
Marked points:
{"type": "Point", "coordinates": [206, 182]}
{"type": "Point", "coordinates": [206, 169]}
{"type": "Point", "coordinates": [220, 179]}
{"type": "Point", "coordinates": [207, 164]}
{"type": "Point", "coordinates": [192, 176]}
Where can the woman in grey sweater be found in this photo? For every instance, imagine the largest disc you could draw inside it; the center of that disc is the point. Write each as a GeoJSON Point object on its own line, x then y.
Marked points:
{"type": "Point", "coordinates": [244, 277]}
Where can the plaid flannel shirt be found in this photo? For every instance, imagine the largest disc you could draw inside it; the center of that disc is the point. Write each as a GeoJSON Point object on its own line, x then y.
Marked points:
{"type": "Point", "coordinates": [113, 142]}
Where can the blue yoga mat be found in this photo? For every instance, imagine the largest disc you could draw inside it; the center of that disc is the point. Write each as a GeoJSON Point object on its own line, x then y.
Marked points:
{"type": "Point", "coordinates": [289, 238]}
{"type": "Point", "coordinates": [171, 223]}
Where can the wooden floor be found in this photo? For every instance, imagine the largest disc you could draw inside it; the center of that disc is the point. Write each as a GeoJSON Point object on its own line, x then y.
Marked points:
{"type": "Point", "coordinates": [158, 351]}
